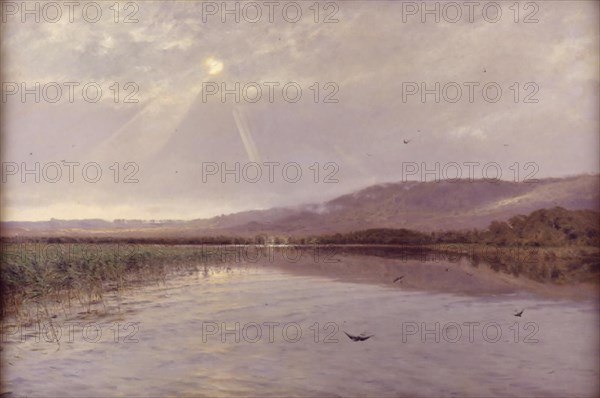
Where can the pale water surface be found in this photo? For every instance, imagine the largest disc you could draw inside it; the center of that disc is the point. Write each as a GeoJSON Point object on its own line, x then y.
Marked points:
{"type": "Point", "coordinates": [175, 355]}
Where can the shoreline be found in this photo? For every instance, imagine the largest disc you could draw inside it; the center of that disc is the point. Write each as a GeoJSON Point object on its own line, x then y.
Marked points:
{"type": "Point", "coordinates": [443, 271]}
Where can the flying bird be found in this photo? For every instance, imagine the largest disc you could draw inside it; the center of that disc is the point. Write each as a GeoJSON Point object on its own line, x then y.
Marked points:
{"type": "Point", "coordinates": [408, 140]}
{"type": "Point", "coordinates": [520, 313]}
{"type": "Point", "coordinates": [361, 337]}
{"type": "Point", "coordinates": [398, 278]}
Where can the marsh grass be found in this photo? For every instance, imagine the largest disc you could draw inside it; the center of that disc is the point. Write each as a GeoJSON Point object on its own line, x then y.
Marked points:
{"type": "Point", "coordinates": [37, 284]}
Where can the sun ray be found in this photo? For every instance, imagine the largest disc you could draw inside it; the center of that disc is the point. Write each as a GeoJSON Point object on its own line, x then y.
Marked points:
{"type": "Point", "coordinates": [245, 135]}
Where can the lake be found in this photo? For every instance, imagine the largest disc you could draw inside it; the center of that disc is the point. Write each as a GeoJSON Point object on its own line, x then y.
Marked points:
{"type": "Point", "coordinates": [275, 328]}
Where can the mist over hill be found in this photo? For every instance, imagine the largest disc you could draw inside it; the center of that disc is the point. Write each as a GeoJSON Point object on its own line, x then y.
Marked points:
{"type": "Point", "coordinates": [419, 206]}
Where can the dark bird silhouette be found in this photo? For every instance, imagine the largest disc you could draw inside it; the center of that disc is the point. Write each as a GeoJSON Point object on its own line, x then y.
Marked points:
{"type": "Point", "coordinates": [468, 273]}
{"type": "Point", "coordinates": [520, 313]}
{"type": "Point", "coordinates": [505, 144]}
{"type": "Point", "coordinates": [446, 269]}
{"type": "Point", "coordinates": [406, 141]}
{"type": "Point", "coordinates": [362, 337]}
{"type": "Point", "coordinates": [484, 71]}
{"type": "Point", "coordinates": [398, 278]}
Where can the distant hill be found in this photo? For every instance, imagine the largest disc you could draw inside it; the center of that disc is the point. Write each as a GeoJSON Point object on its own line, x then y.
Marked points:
{"type": "Point", "coordinates": [545, 227]}
{"type": "Point", "coordinates": [426, 206]}
{"type": "Point", "coordinates": [419, 206]}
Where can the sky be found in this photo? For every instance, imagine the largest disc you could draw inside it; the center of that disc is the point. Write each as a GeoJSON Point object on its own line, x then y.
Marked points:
{"type": "Point", "coordinates": [161, 141]}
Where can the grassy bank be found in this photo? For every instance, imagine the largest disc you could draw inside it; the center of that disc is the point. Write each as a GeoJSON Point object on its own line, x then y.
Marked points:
{"type": "Point", "coordinates": [39, 280]}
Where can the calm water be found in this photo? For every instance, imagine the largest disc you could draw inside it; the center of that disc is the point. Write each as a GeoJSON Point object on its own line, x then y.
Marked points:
{"type": "Point", "coordinates": [290, 341]}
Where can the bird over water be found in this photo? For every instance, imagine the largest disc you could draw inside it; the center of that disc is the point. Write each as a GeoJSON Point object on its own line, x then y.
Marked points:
{"type": "Point", "coordinates": [361, 337]}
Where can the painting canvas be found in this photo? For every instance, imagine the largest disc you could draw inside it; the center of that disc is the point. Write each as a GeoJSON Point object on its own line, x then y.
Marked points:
{"type": "Point", "coordinates": [362, 198]}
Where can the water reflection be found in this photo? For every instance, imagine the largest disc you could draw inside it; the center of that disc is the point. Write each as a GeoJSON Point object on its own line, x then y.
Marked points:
{"type": "Point", "coordinates": [199, 335]}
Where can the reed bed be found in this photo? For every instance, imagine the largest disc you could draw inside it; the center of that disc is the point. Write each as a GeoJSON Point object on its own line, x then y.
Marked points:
{"type": "Point", "coordinates": [39, 281]}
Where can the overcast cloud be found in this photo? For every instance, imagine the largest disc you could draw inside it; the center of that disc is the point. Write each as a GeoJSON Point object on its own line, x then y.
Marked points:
{"type": "Point", "coordinates": [367, 55]}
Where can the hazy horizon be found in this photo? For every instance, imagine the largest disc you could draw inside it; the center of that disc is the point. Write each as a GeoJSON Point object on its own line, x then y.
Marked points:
{"type": "Point", "coordinates": [267, 208]}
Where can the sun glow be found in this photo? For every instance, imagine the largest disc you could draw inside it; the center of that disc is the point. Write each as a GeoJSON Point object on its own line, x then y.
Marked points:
{"type": "Point", "coordinates": [214, 66]}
